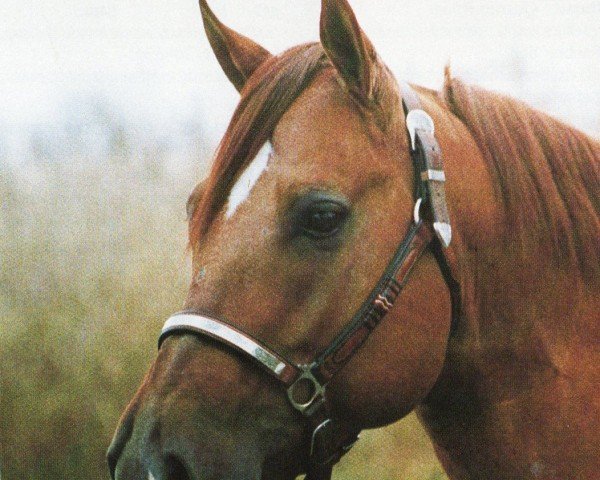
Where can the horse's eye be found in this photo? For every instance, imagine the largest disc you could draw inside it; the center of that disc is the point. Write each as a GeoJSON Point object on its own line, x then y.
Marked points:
{"type": "Point", "coordinates": [323, 219]}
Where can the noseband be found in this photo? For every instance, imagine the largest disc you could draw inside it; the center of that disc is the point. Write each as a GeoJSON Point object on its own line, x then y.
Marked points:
{"type": "Point", "coordinates": [306, 384]}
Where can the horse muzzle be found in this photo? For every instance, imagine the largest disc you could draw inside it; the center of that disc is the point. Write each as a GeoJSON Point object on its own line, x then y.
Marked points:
{"type": "Point", "coordinates": [147, 452]}
{"type": "Point", "coordinates": [202, 414]}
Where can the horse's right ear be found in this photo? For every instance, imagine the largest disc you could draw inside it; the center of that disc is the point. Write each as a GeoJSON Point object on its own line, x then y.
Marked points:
{"type": "Point", "coordinates": [238, 55]}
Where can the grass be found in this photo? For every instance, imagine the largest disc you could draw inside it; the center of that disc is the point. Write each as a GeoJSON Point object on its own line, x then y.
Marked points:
{"type": "Point", "coordinates": [91, 261]}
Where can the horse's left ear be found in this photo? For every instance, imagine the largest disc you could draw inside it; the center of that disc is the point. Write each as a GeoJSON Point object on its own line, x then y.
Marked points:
{"type": "Point", "coordinates": [348, 48]}
{"type": "Point", "coordinates": [238, 55]}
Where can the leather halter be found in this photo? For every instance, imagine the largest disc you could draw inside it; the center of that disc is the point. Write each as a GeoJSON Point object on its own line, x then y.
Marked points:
{"type": "Point", "coordinates": [306, 384]}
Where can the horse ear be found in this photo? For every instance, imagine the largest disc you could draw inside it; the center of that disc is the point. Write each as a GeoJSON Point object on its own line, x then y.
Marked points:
{"type": "Point", "coordinates": [238, 55]}
{"type": "Point", "coordinates": [348, 48]}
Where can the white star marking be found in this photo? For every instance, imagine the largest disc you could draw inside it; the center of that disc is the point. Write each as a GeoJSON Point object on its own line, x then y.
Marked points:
{"type": "Point", "coordinates": [242, 188]}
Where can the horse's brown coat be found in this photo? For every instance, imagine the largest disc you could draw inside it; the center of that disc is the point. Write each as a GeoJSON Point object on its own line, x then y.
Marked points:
{"type": "Point", "coordinates": [512, 393]}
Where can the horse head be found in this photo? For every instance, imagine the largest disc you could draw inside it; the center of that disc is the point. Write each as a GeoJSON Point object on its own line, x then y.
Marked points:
{"type": "Point", "coordinates": [311, 192]}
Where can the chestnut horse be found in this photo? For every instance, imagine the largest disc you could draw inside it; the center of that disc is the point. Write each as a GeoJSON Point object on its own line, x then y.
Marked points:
{"type": "Point", "coordinates": [495, 340]}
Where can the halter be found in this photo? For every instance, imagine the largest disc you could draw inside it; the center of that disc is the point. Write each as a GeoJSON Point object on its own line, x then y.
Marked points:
{"type": "Point", "coordinates": [306, 384]}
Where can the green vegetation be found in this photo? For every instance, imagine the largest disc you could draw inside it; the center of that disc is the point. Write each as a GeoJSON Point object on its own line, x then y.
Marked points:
{"type": "Point", "coordinates": [92, 259]}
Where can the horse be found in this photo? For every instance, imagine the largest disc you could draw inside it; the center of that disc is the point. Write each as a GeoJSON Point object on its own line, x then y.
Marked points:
{"type": "Point", "coordinates": [292, 339]}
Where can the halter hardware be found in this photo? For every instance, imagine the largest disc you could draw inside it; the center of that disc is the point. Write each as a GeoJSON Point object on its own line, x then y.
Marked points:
{"type": "Point", "coordinates": [433, 175]}
{"type": "Point", "coordinates": [417, 210]}
{"type": "Point", "coordinates": [316, 396]}
{"type": "Point", "coordinates": [418, 119]}
{"type": "Point", "coordinates": [330, 438]}
{"type": "Point", "coordinates": [315, 436]}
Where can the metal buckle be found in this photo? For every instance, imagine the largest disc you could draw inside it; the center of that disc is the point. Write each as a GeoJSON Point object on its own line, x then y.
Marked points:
{"type": "Point", "coordinates": [317, 396]}
{"type": "Point", "coordinates": [417, 211]}
{"type": "Point", "coordinates": [418, 120]}
{"type": "Point", "coordinates": [433, 175]}
{"type": "Point", "coordinates": [443, 231]}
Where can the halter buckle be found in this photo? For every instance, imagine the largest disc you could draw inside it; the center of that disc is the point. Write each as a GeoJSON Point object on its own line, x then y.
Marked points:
{"type": "Point", "coordinates": [418, 119]}
{"type": "Point", "coordinates": [316, 393]}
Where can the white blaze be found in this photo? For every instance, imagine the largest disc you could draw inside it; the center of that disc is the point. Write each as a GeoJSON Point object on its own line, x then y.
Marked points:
{"type": "Point", "coordinates": [242, 188]}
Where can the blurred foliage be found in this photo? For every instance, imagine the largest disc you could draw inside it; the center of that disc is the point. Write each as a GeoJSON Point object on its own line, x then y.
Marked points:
{"type": "Point", "coordinates": [92, 259]}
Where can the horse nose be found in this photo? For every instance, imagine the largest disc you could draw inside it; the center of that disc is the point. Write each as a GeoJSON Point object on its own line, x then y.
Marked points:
{"type": "Point", "coordinates": [145, 449]}
{"type": "Point", "coordinates": [134, 453]}
{"type": "Point", "coordinates": [175, 469]}
{"type": "Point", "coordinates": [168, 468]}
{"type": "Point", "coordinates": [171, 469]}
{"type": "Point", "coordinates": [132, 456]}
{"type": "Point", "coordinates": [120, 439]}
{"type": "Point", "coordinates": [186, 423]}
{"type": "Point", "coordinates": [151, 444]}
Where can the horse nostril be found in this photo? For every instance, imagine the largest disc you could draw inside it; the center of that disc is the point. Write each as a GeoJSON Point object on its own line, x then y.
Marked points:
{"type": "Point", "coordinates": [120, 439]}
{"type": "Point", "coordinates": [176, 469]}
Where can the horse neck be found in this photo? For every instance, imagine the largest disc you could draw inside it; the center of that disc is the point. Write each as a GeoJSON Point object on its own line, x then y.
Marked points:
{"type": "Point", "coordinates": [515, 352]}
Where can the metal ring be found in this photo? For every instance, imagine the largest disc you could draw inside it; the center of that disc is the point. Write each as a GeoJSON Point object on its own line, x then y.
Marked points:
{"type": "Point", "coordinates": [316, 398]}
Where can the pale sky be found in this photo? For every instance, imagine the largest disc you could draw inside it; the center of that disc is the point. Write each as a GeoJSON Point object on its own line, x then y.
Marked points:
{"type": "Point", "coordinates": [151, 59]}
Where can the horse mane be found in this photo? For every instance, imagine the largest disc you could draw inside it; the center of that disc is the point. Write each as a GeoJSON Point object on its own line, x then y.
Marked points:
{"type": "Point", "coordinates": [264, 99]}
{"type": "Point", "coordinates": [547, 173]}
